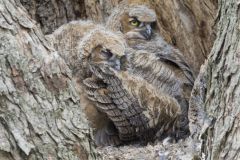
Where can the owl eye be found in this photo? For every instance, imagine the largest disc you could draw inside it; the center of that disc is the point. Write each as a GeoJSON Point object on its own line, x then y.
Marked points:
{"type": "Point", "coordinates": [106, 53]}
{"type": "Point", "coordinates": [135, 22]}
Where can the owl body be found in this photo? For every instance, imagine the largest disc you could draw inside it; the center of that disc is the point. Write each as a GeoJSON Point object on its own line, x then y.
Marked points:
{"type": "Point", "coordinates": [152, 58]}
{"type": "Point", "coordinates": [105, 90]}
{"type": "Point", "coordinates": [81, 38]}
{"type": "Point", "coordinates": [112, 99]}
{"type": "Point", "coordinates": [165, 79]}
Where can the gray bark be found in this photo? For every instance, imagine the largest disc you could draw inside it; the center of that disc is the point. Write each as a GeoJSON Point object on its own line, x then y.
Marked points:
{"type": "Point", "coordinates": [215, 103]}
{"type": "Point", "coordinates": [40, 115]}
{"type": "Point", "coordinates": [50, 14]}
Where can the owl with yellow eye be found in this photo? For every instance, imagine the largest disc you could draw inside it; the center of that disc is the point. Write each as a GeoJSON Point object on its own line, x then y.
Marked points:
{"type": "Point", "coordinates": [136, 22]}
{"type": "Point", "coordinates": [144, 28]}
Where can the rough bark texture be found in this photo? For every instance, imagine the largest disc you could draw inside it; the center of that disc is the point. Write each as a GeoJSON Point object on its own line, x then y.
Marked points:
{"type": "Point", "coordinates": [51, 14]}
{"type": "Point", "coordinates": [215, 100]}
{"type": "Point", "coordinates": [40, 115]}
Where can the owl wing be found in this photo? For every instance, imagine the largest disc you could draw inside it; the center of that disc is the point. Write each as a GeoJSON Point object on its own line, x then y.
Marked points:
{"type": "Point", "coordinates": [121, 108]}
{"type": "Point", "coordinates": [168, 73]}
{"type": "Point", "coordinates": [163, 111]}
{"type": "Point", "coordinates": [188, 79]}
{"type": "Point", "coordinates": [155, 72]}
{"type": "Point", "coordinates": [165, 53]}
{"type": "Point", "coordinates": [178, 60]}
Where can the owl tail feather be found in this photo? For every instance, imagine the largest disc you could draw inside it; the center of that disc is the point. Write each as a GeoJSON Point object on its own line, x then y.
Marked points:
{"type": "Point", "coordinates": [107, 136]}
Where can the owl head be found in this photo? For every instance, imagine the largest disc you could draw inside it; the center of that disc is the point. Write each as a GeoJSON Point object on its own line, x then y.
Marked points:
{"type": "Point", "coordinates": [103, 48]}
{"type": "Point", "coordinates": [134, 21]}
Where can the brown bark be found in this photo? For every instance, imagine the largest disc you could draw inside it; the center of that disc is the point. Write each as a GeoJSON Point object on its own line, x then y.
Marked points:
{"type": "Point", "coordinates": [215, 99]}
{"type": "Point", "coordinates": [189, 26]}
{"type": "Point", "coordinates": [40, 117]}
{"type": "Point", "coordinates": [40, 114]}
{"type": "Point", "coordinates": [51, 14]}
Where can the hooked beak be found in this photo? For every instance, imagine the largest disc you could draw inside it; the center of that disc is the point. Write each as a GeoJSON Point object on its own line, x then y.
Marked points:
{"type": "Point", "coordinates": [147, 32]}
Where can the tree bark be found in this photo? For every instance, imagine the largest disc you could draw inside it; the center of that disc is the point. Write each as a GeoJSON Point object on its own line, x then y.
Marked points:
{"type": "Point", "coordinates": [188, 25]}
{"type": "Point", "coordinates": [215, 103]}
{"type": "Point", "coordinates": [50, 14]}
{"type": "Point", "coordinates": [40, 113]}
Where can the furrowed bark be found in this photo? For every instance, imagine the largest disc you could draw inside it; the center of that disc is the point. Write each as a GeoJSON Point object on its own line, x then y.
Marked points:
{"type": "Point", "coordinates": [50, 14]}
{"type": "Point", "coordinates": [40, 113]}
{"type": "Point", "coordinates": [219, 90]}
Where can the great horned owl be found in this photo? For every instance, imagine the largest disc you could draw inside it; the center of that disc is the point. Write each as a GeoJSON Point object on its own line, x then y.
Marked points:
{"type": "Point", "coordinates": [139, 25]}
{"type": "Point", "coordinates": [101, 52]}
{"type": "Point", "coordinates": [154, 104]}
{"type": "Point", "coordinates": [66, 41]}
{"type": "Point", "coordinates": [117, 114]}
{"type": "Point", "coordinates": [136, 22]}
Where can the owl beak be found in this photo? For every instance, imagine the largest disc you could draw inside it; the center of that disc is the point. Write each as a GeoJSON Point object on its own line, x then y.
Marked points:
{"type": "Point", "coordinates": [118, 63]}
{"type": "Point", "coordinates": [147, 32]}
{"type": "Point", "coordinates": [115, 63]}
{"type": "Point", "coordinates": [123, 63]}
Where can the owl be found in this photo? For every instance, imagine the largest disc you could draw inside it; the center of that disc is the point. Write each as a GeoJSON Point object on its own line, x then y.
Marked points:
{"type": "Point", "coordinates": [111, 127]}
{"type": "Point", "coordinates": [119, 114]}
{"type": "Point", "coordinates": [141, 95]}
{"type": "Point", "coordinates": [138, 24]}
{"type": "Point", "coordinates": [101, 52]}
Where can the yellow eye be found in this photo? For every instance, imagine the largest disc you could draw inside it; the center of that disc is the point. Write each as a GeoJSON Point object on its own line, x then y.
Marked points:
{"type": "Point", "coordinates": [134, 23]}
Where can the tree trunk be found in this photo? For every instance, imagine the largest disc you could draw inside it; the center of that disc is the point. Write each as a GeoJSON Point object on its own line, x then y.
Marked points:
{"type": "Point", "coordinates": [188, 25]}
{"type": "Point", "coordinates": [40, 115]}
{"type": "Point", "coordinates": [51, 14]}
{"type": "Point", "coordinates": [215, 103]}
